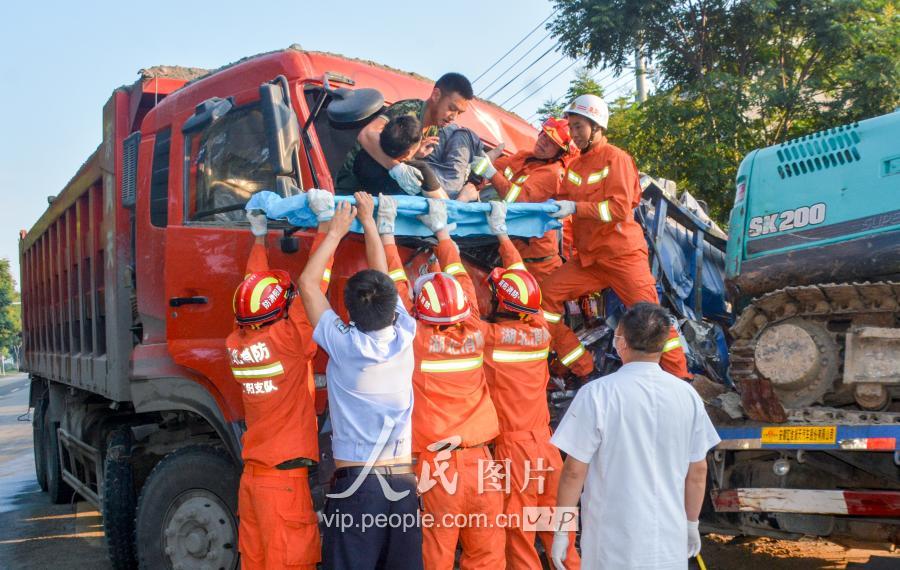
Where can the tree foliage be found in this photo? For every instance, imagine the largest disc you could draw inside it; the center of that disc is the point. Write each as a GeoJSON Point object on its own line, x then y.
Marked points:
{"type": "Point", "coordinates": [10, 320]}
{"type": "Point", "coordinates": [734, 75]}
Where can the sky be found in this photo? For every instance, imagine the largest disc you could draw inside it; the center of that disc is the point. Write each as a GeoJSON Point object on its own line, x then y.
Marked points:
{"type": "Point", "coordinates": [61, 60]}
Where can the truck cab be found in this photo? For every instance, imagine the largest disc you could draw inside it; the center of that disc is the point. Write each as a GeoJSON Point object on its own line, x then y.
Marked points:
{"type": "Point", "coordinates": [128, 281]}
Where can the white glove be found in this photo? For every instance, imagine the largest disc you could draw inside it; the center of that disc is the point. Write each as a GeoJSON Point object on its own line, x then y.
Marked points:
{"type": "Point", "coordinates": [497, 218]}
{"type": "Point", "coordinates": [693, 538]}
{"type": "Point", "coordinates": [436, 218]}
{"type": "Point", "coordinates": [566, 208]}
{"type": "Point", "coordinates": [259, 223]}
{"type": "Point", "coordinates": [321, 202]}
{"type": "Point", "coordinates": [482, 166]}
{"type": "Point", "coordinates": [559, 549]}
{"type": "Point", "coordinates": [387, 214]}
{"type": "Point", "coordinates": [408, 177]}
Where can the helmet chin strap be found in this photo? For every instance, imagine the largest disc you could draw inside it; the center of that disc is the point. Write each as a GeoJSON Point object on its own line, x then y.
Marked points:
{"type": "Point", "coordinates": [594, 130]}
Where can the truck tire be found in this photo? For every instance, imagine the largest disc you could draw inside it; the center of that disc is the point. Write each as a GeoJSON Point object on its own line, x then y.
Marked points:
{"type": "Point", "coordinates": [60, 491]}
{"type": "Point", "coordinates": [40, 455]}
{"type": "Point", "coordinates": [119, 500]}
{"type": "Point", "coordinates": [187, 511]}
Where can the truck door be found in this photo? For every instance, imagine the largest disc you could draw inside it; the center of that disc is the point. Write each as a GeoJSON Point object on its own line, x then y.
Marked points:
{"type": "Point", "coordinates": [225, 161]}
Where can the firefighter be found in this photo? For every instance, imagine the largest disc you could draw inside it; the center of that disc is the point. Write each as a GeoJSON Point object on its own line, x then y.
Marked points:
{"type": "Point", "coordinates": [601, 190]}
{"type": "Point", "coordinates": [453, 418]}
{"type": "Point", "coordinates": [533, 176]}
{"type": "Point", "coordinates": [515, 355]}
{"type": "Point", "coordinates": [271, 351]}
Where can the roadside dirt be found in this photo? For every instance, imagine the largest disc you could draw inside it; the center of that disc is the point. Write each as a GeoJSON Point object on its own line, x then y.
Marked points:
{"type": "Point", "coordinates": [724, 552]}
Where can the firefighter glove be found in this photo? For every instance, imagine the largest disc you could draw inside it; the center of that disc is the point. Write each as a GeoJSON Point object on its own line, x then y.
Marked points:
{"type": "Point", "coordinates": [409, 178]}
{"type": "Point", "coordinates": [436, 218]}
{"type": "Point", "coordinates": [693, 538]}
{"type": "Point", "coordinates": [321, 202]}
{"type": "Point", "coordinates": [559, 548]}
{"type": "Point", "coordinates": [259, 224]}
{"type": "Point", "coordinates": [482, 166]}
{"type": "Point", "coordinates": [497, 218]}
{"type": "Point", "coordinates": [387, 214]}
{"type": "Point", "coordinates": [566, 208]}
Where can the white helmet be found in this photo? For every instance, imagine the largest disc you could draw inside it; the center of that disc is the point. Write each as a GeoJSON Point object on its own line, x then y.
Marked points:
{"type": "Point", "coordinates": [590, 106]}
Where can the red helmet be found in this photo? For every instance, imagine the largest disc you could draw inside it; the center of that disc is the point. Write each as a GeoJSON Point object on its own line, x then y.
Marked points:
{"type": "Point", "coordinates": [262, 297]}
{"type": "Point", "coordinates": [558, 131]}
{"type": "Point", "coordinates": [516, 290]}
{"type": "Point", "coordinates": [440, 299]}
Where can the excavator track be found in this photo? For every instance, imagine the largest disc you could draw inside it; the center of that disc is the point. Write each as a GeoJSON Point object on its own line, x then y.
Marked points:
{"type": "Point", "coordinates": [823, 303]}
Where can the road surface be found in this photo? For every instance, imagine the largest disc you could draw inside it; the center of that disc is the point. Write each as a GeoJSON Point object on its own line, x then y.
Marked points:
{"type": "Point", "coordinates": [35, 534]}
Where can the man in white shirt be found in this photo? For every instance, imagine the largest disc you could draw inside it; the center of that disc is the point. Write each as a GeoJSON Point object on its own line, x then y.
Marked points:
{"type": "Point", "coordinates": [370, 397]}
{"type": "Point", "coordinates": [636, 442]}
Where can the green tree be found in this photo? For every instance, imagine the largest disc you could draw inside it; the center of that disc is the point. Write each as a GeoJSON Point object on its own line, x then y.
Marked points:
{"type": "Point", "coordinates": [10, 319]}
{"type": "Point", "coordinates": [582, 83]}
{"type": "Point", "coordinates": [733, 75]}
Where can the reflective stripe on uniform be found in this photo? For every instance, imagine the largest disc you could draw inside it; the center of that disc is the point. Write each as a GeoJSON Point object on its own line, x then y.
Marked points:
{"type": "Point", "coordinates": [517, 265]}
{"type": "Point", "coordinates": [574, 178]}
{"type": "Point", "coordinates": [513, 193]}
{"type": "Point", "coordinates": [458, 365]}
{"type": "Point", "coordinates": [397, 275]}
{"type": "Point", "coordinates": [672, 344]}
{"type": "Point", "coordinates": [515, 356]}
{"type": "Point", "coordinates": [574, 355]}
{"type": "Point", "coordinates": [605, 214]}
{"type": "Point", "coordinates": [326, 275]}
{"type": "Point", "coordinates": [481, 165]}
{"type": "Point", "coordinates": [455, 268]}
{"type": "Point", "coordinates": [521, 179]}
{"type": "Point", "coordinates": [265, 371]}
{"type": "Point", "coordinates": [508, 172]}
{"type": "Point", "coordinates": [595, 177]}
{"type": "Point", "coordinates": [552, 317]}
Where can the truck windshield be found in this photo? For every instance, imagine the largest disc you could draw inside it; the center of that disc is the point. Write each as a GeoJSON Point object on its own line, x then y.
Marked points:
{"type": "Point", "coordinates": [228, 162]}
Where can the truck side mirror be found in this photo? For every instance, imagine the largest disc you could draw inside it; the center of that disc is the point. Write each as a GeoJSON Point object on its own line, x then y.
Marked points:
{"type": "Point", "coordinates": [351, 106]}
{"type": "Point", "coordinates": [207, 113]}
{"type": "Point", "coordinates": [282, 128]}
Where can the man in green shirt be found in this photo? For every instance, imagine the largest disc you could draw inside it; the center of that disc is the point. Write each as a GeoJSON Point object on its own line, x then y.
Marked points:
{"type": "Point", "coordinates": [449, 98]}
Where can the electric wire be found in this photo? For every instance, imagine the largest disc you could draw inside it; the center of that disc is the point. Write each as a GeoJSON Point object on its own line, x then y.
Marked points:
{"type": "Point", "coordinates": [515, 63]}
{"type": "Point", "coordinates": [544, 85]}
{"type": "Point", "coordinates": [512, 49]}
{"type": "Point", "coordinates": [541, 74]}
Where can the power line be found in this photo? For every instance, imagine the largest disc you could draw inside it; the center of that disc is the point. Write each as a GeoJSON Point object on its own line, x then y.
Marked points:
{"type": "Point", "coordinates": [541, 74]}
{"type": "Point", "coordinates": [545, 84]}
{"type": "Point", "coordinates": [512, 49]}
{"type": "Point", "coordinates": [515, 63]}
{"type": "Point", "coordinates": [529, 66]}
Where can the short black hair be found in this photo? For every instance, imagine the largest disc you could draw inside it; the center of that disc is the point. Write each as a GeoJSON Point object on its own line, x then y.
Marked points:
{"type": "Point", "coordinates": [370, 297]}
{"type": "Point", "coordinates": [455, 83]}
{"type": "Point", "coordinates": [400, 135]}
{"type": "Point", "coordinates": [646, 327]}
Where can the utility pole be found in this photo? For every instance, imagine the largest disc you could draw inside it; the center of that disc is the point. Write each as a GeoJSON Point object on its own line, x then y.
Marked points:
{"type": "Point", "coordinates": [640, 71]}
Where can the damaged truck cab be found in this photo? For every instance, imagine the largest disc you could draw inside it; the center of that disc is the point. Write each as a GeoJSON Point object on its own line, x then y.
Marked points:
{"type": "Point", "coordinates": [127, 284]}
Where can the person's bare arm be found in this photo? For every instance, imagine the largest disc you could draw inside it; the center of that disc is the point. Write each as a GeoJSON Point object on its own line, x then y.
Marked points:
{"type": "Point", "coordinates": [314, 300]}
{"type": "Point", "coordinates": [369, 139]}
{"type": "Point", "coordinates": [365, 208]}
{"type": "Point", "coordinates": [571, 482]}
{"type": "Point", "coordinates": [694, 489]}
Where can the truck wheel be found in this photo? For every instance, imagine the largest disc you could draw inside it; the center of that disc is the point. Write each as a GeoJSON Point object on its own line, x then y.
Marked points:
{"type": "Point", "coordinates": [40, 455]}
{"type": "Point", "coordinates": [119, 500]}
{"type": "Point", "coordinates": [59, 490]}
{"type": "Point", "coordinates": [187, 511]}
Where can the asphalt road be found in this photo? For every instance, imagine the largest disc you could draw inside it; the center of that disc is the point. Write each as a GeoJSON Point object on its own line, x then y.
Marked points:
{"type": "Point", "coordinates": [35, 534]}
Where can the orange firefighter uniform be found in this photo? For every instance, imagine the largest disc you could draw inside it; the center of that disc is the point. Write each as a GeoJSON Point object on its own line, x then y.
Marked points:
{"type": "Point", "coordinates": [515, 356]}
{"type": "Point", "coordinates": [612, 252]}
{"type": "Point", "coordinates": [278, 525]}
{"type": "Point", "coordinates": [524, 178]}
{"type": "Point", "coordinates": [452, 399]}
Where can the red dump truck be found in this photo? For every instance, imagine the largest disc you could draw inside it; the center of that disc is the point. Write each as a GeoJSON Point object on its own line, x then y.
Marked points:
{"type": "Point", "coordinates": [127, 281]}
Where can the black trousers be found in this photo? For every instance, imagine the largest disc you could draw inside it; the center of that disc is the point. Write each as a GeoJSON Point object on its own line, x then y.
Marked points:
{"type": "Point", "coordinates": [367, 531]}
